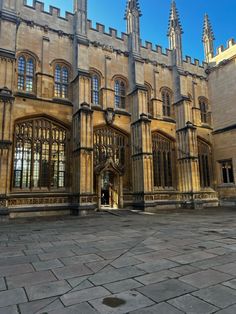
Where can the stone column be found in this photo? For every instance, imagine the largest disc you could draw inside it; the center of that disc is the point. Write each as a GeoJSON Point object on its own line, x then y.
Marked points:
{"type": "Point", "coordinates": [6, 102]}
{"type": "Point", "coordinates": [83, 159]}
{"type": "Point", "coordinates": [141, 141]}
{"type": "Point", "coordinates": [187, 151]}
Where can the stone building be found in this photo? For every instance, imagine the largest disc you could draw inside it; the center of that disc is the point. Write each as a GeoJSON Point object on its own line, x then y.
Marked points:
{"type": "Point", "coordinates": [90, 120]}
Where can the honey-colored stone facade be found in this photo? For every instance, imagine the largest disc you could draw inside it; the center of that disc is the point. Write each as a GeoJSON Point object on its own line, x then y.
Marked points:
{"type": "Point", "coordinates": [134, 120]}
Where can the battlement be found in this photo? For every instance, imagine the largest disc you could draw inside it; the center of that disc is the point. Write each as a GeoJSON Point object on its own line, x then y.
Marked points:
{"type": "Point", "coordinates": [230, 43]}
{"type": "Point", "coordinates": [39, 6]}
{"type": "Point", "coordinates": [112, 32]}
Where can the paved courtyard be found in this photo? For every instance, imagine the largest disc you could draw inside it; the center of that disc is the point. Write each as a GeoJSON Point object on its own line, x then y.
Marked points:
{"type": "Point", "coordinates": [167, 263]}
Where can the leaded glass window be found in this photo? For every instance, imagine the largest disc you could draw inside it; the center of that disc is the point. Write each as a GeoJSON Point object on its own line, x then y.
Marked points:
{"type": "Point", "coordinates": [120, 94]}
{"type": "Point", "coordinates": [61, 81]}
{"type": "Point", "coordinates": [166, 102]}
{"type": "Point", "coordinates": [39, 155]}
{"type": "Point", "coordinates": [204, 110]}
{"type": "Point", "coordinates": [109, 143]}
{"type": "Point", "coordinates": [95, 89]}
{"type": "Point", "coordinates": [204, 157]}
{"type": "Point", "coordinates": [163, 161]}
{"type": "Point", "coordinates": [227, 173]}
{"type": "Point", "coordinates": [26, 69]}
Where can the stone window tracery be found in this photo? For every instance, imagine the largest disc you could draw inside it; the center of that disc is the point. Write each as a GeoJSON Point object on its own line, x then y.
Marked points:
{"type": "Point", "coordinates": [203, 105]}
{"type": "Point", "coordinates": [39, 154]}
{"type": "Point", "coordinates": [163, 161]}
{"type": "Point", "coordinates": [61, 81]}
{"type": "Point", "coordinates": [25, 72]}
{"type": "Point", "coordinates": [95, 88]}
{"type": "Point", "coordinates": [109, 143]}
{"type": "Point", "coordinates": [204, 157]}
{"type": "Point", "coordinates": [120, 94]}
{"type": "Point", "coordinates": [166, 102]}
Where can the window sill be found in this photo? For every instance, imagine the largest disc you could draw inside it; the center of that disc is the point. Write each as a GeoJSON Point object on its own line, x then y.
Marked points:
{"type": "Point", "coordinates": [64, 101]}
{"type": "Point", "coordinates": [169, 119]}
{"type": "Point", "coordinates": [226, 185]}
{"type": "Point", "coordinates": [24, 94]}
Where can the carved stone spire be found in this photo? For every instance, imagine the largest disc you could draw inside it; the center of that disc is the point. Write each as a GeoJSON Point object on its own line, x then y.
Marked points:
{"type": "Point", "coordinates": [132, 15]}
{"type": "Point", "coordinates": [208, 39]}
{"type": "Point", "coordinates": [175, 32]}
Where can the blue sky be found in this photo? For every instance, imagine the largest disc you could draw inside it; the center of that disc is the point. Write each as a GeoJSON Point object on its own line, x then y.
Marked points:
{"type": "Point", "coordinates": [154, 21]}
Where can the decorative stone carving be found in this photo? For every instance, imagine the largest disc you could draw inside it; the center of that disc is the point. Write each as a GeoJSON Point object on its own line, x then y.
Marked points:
{"type": "Point", "coordinates": [109, 116]}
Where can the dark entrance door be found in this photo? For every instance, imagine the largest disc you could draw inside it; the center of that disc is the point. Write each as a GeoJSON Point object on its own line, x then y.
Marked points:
{"type": "Point", "coordinates": [106, 188]}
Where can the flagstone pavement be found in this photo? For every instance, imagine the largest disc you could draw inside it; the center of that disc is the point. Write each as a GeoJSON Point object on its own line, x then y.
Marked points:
{"type": "Point", "coordinates": [172, 262]}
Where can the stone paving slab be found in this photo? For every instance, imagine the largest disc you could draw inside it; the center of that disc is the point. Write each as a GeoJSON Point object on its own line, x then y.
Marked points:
{"type": "Point", "coordinates": [161, 308]}
{"type": "Point", "coordinates": [192, 305]}
{"type": "Point", "coordinates": [205, 278]}
{"type": "Point", "coordinates": [72, 298]}
{"type": "Point", "coordinates": [46, 265]}
{"type": "Point", "coordinates": [166, 290]}
{"type": "Point", "coordinates": [185, 260]}
{"type": "Point", "coordinates": [12, 297]}
{"type": "Point", "coordinates": [72, 271]}
{"type": "Point", "coordinates": [36, 306]}
{"type": "Point", "coordinates": [124, 285]}
{"type": "Point", "coordinates": [16, 269]}
{"type": "Point", "coordinates": [47, 290]}
{"type": "Point", "coordinates": [104, 277]}
{"type": "Point", "coordinates": [132, 300]}
{"type": "Point", "coordinates": [229, 310]}
{"type": "Point", "coordinates": [157, 277]}
{"type": "Point", "coordinates": [218, 295]}
{"type": "Point", "coordinates": [9, 310]}
{"type": "Point", "coordinates": [30, 279]}
{"type": "Point", "coordinates": [83, 308]}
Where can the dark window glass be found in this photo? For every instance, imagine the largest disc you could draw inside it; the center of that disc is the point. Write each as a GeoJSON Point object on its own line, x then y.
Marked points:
{"type": "Point", "coordinates": [25, 74]}
{"type": "Point", "coordinates": [95, 89]}
{"type": "Point", "coordinates": [39, 157]}
{"type": "Point", "coordinates": [204, 110]}
{"type": "Point", "coordinates": [227, 171]}
{"type": "Point", "coordinates": [61, 82]}
{"type": "Point", "coordinates": [204, 157]}
{"type": "Point", "coordinates": [166, 101]}
{"type": "Point", "coordinates": [163, 156]}
{"type": "Point", "coordinates": [120, 94]}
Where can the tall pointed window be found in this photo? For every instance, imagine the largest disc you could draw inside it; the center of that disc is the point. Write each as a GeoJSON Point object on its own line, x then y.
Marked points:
{"type": "Point", "coordinates": [204, 156]}
{"type": "Point", "coordinates": [109, 143]}
{"type": "Point", "coordinates": [149, 98]}
{"type": "Point", "coordinates": [39, 154]}
{"type": "Point", "coordinates": [95, 87]}
{"type": "Point", "coordinates": [203, 105]}
{"type": "Point", "coordinates": [120, 94]}
{"type": "Point", "coordinates": [163, 161]}
{"type": "Point", "coordinates": [26, 72]}
{"type": "Point", "coordinates": [61, 81]}
{"type": "Point", "coordinates": [166, 102]}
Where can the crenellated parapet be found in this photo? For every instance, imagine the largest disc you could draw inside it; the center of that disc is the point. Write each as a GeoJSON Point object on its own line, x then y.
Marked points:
{"type": "Point", "coordinates": [224, 54]}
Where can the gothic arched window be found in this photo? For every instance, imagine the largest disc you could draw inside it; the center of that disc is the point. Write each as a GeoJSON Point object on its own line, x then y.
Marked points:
{"type": "Point", "coordinates": [204, 157]}
{"type": "Point", "coordinates": [120, 94]}
{"type": "Point", "coordinates": [109, 143]}
{"type": "Point", "coordinates": [26, 71]}
{"type": "Point", "coordinates": [149, 97]}
{"type": "Point", "coordinates": [39, 154]}
{"type": "Point", "coordinates": [61, 81]}
{"type": "Point", "coordinates": [95, 87]}
{"type": "Point", "coordinates": [163, 161]}
{"type": "Point", "coordinates": [166, 102]}
{"type": "Point", "coordinates": [203, 105]}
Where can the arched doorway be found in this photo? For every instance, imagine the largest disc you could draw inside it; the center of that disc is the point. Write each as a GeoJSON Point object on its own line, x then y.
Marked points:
{"type": "Point", "coordinates": [109, 190]}
{"type": "Point", "coordinates": [110, 157]}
